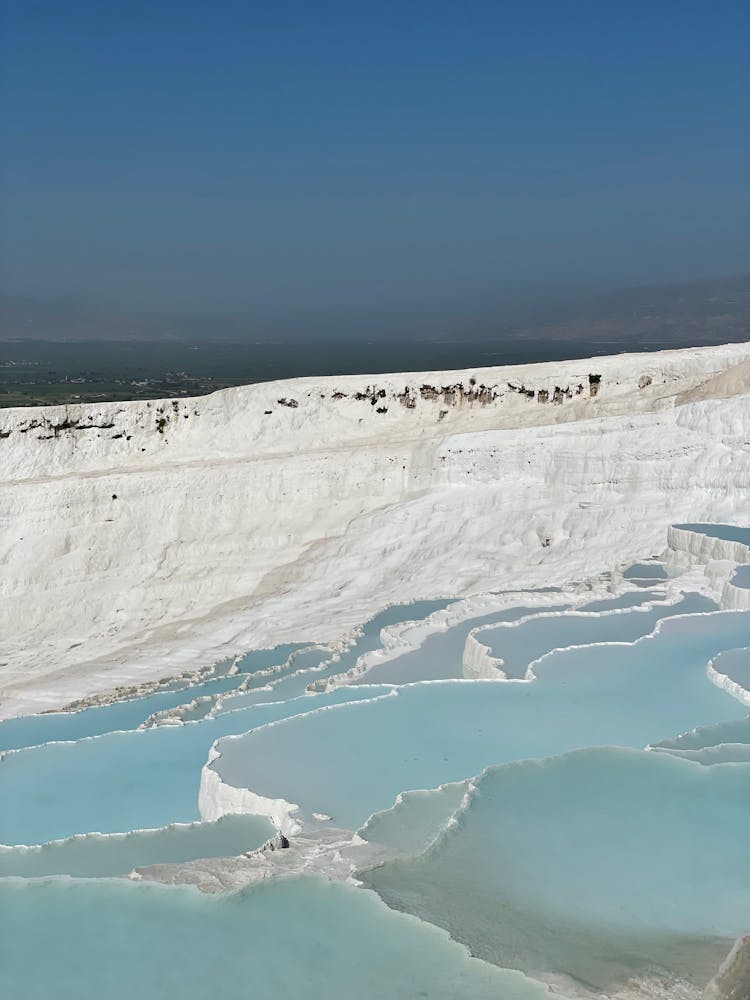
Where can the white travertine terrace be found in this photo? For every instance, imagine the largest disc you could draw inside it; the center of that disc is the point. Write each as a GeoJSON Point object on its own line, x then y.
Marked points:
{"type": "Point", "coordinates": [218, 798]}
{"type": "Point", "coordinates": [706, 548]}
{"type": "Point", "coordinates": [478, 661]}
{"type": "Point", "coordinates": [735, 598]}
{"type": "Point", "coordinates": [715, 672]}
{"type": "Point", "coordinates": [146, 538]}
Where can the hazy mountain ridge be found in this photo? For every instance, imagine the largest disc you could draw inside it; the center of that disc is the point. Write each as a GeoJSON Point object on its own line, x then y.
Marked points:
{"type": "Point", "coordinates": [707, 310]}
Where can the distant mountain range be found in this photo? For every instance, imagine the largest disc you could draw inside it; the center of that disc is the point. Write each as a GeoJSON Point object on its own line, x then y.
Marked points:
{"type": "Point", "coordinates": [701, 312]}
{"type": "Point", "coordinates": [709, 311]}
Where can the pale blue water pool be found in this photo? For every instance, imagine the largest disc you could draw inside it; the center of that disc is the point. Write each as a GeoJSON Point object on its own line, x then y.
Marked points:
{"type": "Point", "coordinates": [416, 819]}
{"type": "Point", "coordinates": [631, 599]}
{"type": "Point", "coordinates": [608, 829]}
{"type": "Point", "coordinates": [126, 780]}
{"type": "Point", "coordinates": [440, 656]}
{"type": "Point", "coordinates": [598, 864]}
{"type": "Point", "coordinates": [626, 695]}
{"type": "Point", "coordinates": [296, 681]}
{"type": "Point", "coordinates": [95, 855]}
{"type": "Point", "coordinates": [735, 664]}
{"type": "Point", "coordinates": [646, 571]}
{"type": "Point", "coordinates": [521, 644]}
{"type": "Point", "coordinates": [293, 938]}
{"type": "Point", "coordinates": [32, 730]}
{"type": "Point", "coordinates": [735, 731]}
{"type": "Point", "coordinates": [122, 779]}
{"type": "Point", "coordinates": [726, 532]}
{"type": "Point", "coordinates": [288, 681]}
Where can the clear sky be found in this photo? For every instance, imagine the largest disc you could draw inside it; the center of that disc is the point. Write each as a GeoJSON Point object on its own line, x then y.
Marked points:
{"type": "Point", "coordinates": [380, 164]}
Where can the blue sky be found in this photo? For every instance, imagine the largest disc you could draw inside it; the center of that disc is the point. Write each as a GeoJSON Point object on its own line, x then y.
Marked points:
{"type": "Point", "coordinates": [305, 165]}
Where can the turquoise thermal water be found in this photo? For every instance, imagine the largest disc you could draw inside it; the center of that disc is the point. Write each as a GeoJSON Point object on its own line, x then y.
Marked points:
{"type": "Point", "coordinates": [521, 644]}
{"type": "Point", "coordinates": [735, 664]}
{"type": "Point", "coordinates": [440, 655]}
{"type": "Point", "coordinates": [734, 731]}
{"type": "Point", "coordinates": [632, 599]}
{"type": "Point", "coordinates": [727, 532]}
{"type": "Point", "coordinates": [95, 854]}
{"type": "Point", "coordinates": [302, 937]}
{"type": "Point", "coordinates": [125, 781]}
{"type": "Point", "coordinates": [627, 695]}
{"type": "Point", "coordinates": [601, 864]}
{"type": "Point", "coordinates": [606, 829]}
{"type": "Point", "coordinates": [723, 753]}
{"type": "Point", "coordinates": [33, 730]}
{"type": "Point", "coordinates": [128, 780]}
{"type": "Point", "coordinates": [288, 681]}
{"type": "Point", "coordinates": [292, 682]}
{"type": "Point", "coordinates": [741, 576]}
{"type": "Point", "coordinates": [296, 682]}
{"type": "Point", "coordinates": [415, 819]}
{"type": "Point", "coordinates": [645, 571]}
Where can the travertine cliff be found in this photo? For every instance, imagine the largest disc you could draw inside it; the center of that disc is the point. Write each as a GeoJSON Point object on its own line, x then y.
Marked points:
{"type": "Point", "coordinates": [145, 538]}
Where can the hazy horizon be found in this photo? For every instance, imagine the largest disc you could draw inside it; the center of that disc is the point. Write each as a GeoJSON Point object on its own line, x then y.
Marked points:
{"type": "Point", "coordinates": [706, 306]}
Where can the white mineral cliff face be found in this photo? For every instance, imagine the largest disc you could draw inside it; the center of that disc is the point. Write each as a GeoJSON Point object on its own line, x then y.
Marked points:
{"type": "Point", "coordinates": [141, 539]}
{"type": "Point", "coordinates": [478, 661]}
{"type": "Point", "coordinates": [706, 548]}
{"type": "Point", "coordinates": [735, 598]}
{"type": "Point", "coordinates": [217, 798]}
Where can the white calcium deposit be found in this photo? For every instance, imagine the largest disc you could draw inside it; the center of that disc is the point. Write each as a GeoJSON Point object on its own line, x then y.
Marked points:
{"type": "Point", "coordinates": [147, 538]}
{"type": "Point", "coordinates": [735, 598]}
{"type": "Point", "coordinates": [706, 548]}
{"type": "Point", "coordinates": [217, 799]}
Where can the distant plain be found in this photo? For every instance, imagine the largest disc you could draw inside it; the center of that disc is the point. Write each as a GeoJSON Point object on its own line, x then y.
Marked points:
{"type": "Point", "coordinates": [53, 353]}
